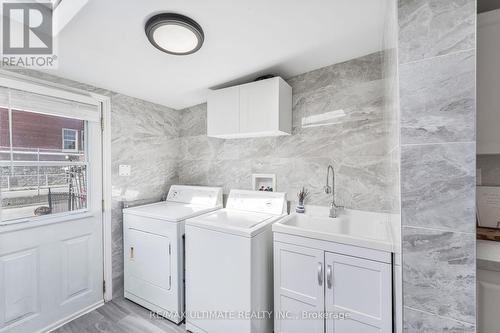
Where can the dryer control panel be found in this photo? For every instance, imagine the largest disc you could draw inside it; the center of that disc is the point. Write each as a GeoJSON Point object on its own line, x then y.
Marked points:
{"type": "Point", "coordinates": [196, 195]}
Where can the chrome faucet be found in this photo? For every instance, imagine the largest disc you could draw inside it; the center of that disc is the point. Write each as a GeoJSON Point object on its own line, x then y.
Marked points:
{"type": "Point", "coordinates": [334, 209]}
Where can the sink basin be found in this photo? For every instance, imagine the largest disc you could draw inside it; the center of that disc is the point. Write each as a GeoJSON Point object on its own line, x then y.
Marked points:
{"type": "Point", "coordinates": [370, 230]}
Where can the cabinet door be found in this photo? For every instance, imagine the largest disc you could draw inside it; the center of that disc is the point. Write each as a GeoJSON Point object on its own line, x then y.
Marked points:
{"type": "Point", "coordinates": [362, 290]}
{"type": "Point", "coordinates": [259, 106]}
{"type": "Point", "coordinates": [144, 276]}
{"type": "Point", "coordinates": [223, 112]}
{"type": "Point", "coordinates": [488, 300]}
{"type": "Point", "coordinates": [298, 289]}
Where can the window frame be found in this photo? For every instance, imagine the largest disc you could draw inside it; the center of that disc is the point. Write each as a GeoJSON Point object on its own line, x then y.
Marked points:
{"type": "Point", "coordinates": [64, 139]}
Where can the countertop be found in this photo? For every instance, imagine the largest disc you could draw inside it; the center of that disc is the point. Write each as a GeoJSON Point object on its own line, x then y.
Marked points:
{"type": "Point", "coordinates": [373, 230]}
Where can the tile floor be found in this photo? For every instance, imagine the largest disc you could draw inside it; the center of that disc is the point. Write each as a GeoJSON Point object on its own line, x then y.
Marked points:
{"type": "Point", "coordinates": [120, 316]}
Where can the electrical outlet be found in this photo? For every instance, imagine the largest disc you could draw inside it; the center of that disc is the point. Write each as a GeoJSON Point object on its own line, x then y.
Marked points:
{"type": "Point", "coordinates": [124, 170]}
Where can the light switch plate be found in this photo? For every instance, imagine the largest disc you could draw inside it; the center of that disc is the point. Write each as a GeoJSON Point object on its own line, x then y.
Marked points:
{"type": "Point", "coordinates": [124, 170]}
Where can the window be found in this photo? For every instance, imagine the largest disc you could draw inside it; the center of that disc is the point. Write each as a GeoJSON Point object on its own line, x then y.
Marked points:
{"type": "Point", "coordinates": [69, 139]}
{"type": "Point", "coordinates": [44, 155]}
{"type": "Point", "coordinates": [45, 146]}
{"type": "Point", "coordinates": [37, 177]}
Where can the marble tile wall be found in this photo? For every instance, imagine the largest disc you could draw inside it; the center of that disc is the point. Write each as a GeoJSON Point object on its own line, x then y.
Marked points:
{"type": "Point", "coordinates": [357, 145]}
{"type": "Point", "coordinates": [145, 136]}
{"type": "Point", "coordinates": [437, 103]}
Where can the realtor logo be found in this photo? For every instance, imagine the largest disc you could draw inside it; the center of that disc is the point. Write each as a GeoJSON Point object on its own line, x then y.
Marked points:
{"type": "Point", "coordinates": [27, 28]}
{"type": "Point", "coordinates": [27, 34]}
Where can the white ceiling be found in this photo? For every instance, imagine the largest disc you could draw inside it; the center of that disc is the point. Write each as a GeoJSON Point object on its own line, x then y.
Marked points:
{"type": "Point", "coordinates": [105, 44]}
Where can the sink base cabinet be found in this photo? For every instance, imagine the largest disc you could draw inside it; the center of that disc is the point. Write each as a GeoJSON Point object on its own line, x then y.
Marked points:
{"type": "Point", "coordinates": [320, 291]}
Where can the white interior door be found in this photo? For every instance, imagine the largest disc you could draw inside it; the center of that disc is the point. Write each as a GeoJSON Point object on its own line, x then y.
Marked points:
{"type": "Point", "coordinates": [51, 253]}
{"type": "Point", "coordinates": [298, 289]}
{"type": "Point", "coordinates": [358, 288]}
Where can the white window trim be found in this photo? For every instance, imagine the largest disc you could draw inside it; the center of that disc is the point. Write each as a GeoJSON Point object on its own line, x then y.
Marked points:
{"type": "Point", "coordinates": [76, 139]}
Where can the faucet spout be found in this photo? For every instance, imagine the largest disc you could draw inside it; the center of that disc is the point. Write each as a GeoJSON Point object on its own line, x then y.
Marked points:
{"type": "Point", "coordinates": [334, 209]}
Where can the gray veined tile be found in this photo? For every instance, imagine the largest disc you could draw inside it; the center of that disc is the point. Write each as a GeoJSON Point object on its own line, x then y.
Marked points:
{"type": "Point", "coordinates": [438, 100]}
{"type": "Point", "coordinates": [418, 322]}
{"type": "Point", "coordinates": [366, 68]}
{"type": "Point", "coordinates": [429, 28]}
{"type": "Point", "coordinates": [359, 101]}
{"type": "Point", "coordinates": [230, 174]}
{"type": "Point", "coordinates": [193, 172]}
{"type": "Point", "coordinates": [364, 182]}
{"type": "Point", "coordinates": [439, 271]}
{"type": "Point", "coordinates": [255, 148]}
{"type": "Point", "coordinates": [118, 285]}
{"type": "Point", "coordinates": [200, 147]}
{"type": "Point", "coordinates": [193, 120]}
{"type": "Point", "coordinates": [438, 186]}
{"type": "Point", "coordinates": [154, 119]}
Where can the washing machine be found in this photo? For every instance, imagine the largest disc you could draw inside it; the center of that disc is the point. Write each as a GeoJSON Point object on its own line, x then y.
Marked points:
{"type": "Point", "coordinates": [229, 265]}
{"type": "Point", "coordinates": [154, 247]}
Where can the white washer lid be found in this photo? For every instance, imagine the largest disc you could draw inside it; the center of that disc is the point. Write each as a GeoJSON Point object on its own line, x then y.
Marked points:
{"type": "Point", "coordinates": [234, 222]}
{"type": "Point", "coordinates": [235, 218]}
{"type": "Point", "coordinates": [169, 211]}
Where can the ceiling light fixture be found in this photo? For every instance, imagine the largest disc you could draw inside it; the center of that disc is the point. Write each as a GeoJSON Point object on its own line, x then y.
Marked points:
{"type": "Point", "coordinates": [174, 33]}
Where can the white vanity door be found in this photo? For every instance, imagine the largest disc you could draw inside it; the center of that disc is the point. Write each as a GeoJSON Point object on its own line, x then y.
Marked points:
{"type": "Point", "coordinates": [361, 288]}
{"type": "Point", "coordinates": [298, 289]}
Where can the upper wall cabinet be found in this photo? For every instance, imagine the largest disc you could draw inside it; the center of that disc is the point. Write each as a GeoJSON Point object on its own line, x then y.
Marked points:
{"type": "Point", "coordinates": [256, 109]}
{"type": "Point", "coordinates": [488, 81]}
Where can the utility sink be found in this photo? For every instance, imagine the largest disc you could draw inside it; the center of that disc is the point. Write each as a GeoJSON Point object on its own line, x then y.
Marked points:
{"type": "Point", "coordinates": [364, 229]}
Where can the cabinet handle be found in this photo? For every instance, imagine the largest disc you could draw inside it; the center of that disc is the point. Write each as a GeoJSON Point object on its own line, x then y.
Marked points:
{"type": "Point", "coordinates": [320, 273]}
{"type": "Point", "coordinates": [329, 270]}
{"type": "Point", "coordinates": [131, 252]}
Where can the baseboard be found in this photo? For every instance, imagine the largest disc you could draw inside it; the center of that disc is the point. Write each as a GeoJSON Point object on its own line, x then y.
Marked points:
{"type": "Point", "coordinates": [69, 318]}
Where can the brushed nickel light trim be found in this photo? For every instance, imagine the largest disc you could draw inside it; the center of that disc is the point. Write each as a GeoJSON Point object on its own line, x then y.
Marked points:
{"type": "Point", "coordinates": [174, 33]}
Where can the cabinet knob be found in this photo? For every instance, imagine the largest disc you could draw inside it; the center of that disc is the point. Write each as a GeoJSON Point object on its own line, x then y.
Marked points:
{"type": "Point", "coordinates": [131, 252]}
